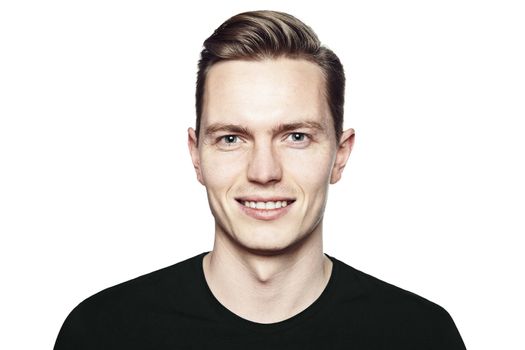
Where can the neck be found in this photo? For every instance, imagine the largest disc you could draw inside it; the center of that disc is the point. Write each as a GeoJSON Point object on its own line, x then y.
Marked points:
{"type": "Point", "coordinates": [267, 288]}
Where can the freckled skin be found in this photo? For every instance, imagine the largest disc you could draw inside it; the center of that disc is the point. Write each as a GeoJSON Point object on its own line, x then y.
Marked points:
{"type": "Point", "coordinates": [260, 96]}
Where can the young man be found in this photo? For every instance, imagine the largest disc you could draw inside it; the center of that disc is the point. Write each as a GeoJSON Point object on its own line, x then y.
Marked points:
{"type": "Point", "coordinates": [267, 144]}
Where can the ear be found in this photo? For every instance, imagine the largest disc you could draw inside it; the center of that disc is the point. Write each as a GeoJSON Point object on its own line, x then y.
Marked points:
{"type": "Point", "coordinates": [194, 153]}
{"type": "Point", "coordinates": [343, 152]}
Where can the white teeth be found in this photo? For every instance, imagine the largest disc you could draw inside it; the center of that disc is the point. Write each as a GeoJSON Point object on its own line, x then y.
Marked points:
{"type": "Point", "coordinates": [265, 205]}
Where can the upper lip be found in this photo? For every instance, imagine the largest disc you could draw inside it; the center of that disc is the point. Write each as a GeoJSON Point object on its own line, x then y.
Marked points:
{"type": "Point", "coordinates": [264, 199]}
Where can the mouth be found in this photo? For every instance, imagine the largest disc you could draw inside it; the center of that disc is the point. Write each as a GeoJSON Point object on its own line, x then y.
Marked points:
{"type": "Point", "coordinates": [265, 208]}
{"type": "Point", "coordinates": [265, 204]}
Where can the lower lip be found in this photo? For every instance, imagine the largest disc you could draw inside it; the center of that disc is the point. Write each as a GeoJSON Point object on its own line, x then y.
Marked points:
{"type": "Point", "coordinates": [263, 214]}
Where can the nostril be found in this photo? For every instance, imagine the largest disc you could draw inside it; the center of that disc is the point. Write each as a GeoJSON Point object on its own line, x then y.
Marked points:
{"type": "Point", "coordinates": [264, 166]}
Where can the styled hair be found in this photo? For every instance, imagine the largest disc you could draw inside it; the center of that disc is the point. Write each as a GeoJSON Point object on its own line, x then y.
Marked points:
{"type": "Point", "coordinates": [259, 35]}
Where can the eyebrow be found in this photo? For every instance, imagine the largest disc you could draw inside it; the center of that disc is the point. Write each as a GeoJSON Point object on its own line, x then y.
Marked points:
{"type": "Point", "coordinates": [233, 128]}
{"type": "Point", "coordinates": [279, 129]}
{"type": "Point", "coordinates": [282, 128]}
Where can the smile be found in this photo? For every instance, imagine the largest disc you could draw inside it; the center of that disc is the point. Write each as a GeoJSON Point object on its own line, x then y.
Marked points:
{"type": "Point", "coordinates": [265, 209]}
{"type": "Point", "coordinates": [265, 205]}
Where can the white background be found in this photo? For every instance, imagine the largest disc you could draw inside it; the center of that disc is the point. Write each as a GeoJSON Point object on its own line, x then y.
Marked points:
{"type": "Point", "coordinates": [96, 184]}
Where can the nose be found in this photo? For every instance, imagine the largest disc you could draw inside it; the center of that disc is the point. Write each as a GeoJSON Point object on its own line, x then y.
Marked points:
{"type": "Point", "coordinates": [264, 165]}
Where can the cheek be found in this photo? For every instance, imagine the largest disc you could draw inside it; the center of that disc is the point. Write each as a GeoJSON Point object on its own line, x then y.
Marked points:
{"type": "Point", "coordinates": [310, 170]}
{"type": "Point", "coordinates": [220, 170]}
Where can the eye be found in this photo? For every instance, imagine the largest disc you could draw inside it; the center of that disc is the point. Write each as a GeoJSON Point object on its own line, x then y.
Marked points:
{"type": "Point", "coordinates": [297, 137]}
{"type": "Point", "coordinates": [228, 142]}
{"type": "Point", "coordinates": [229, 139]}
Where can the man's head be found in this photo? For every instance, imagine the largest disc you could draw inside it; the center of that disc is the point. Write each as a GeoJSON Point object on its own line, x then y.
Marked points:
{"type": "Point", "coordinates": [267, 146]}
{"type": "Point", "coordinates": [260, 35]}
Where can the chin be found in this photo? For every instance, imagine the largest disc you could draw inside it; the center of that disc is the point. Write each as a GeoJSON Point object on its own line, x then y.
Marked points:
{"type": "Point", "coordinates": [267, 243]}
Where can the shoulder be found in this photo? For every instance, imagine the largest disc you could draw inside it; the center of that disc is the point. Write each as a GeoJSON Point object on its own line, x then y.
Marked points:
{"type": "Point", "coordinates": [147, 288]}
{"type": "Point", "coordinates": [136, 299]}
{"type": "Point", "coordinates": [386, 309]}
{"type": "Point", "coordinates": [384, 295]}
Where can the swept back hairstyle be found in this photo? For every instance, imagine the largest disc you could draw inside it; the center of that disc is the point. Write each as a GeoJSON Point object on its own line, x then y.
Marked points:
{"type": "Point", "coordinates": [259, 35]}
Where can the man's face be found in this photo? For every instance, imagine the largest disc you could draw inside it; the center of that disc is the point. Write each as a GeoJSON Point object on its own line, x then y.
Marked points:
{"type": "Point", "coordinates": [267, 151]}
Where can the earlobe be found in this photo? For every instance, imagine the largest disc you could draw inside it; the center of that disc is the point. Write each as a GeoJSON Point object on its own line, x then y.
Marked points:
{"type": "Point", "coordinates": [346, 144]}
{"type": "Point", "coordinates": [194, 153]}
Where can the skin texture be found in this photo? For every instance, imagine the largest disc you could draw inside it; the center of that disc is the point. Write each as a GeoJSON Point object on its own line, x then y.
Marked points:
{"type": "Point", "coordinates": [267, 134]}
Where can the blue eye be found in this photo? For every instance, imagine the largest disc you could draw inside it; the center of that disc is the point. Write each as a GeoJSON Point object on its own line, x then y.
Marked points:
{"type": "Point", "coordinates": [230, 139]}
{"type": "Point", "coordinates": [298, 136]}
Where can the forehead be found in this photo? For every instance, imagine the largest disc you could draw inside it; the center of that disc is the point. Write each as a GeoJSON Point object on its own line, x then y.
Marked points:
{"type": "Point", "coordinates": [266, 92]}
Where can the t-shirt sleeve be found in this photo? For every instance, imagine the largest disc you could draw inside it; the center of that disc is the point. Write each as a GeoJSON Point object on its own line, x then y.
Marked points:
{"type": "Point", "coordinates": [73, 334]}
{"type": "Point", "coordinates": [448, 337]}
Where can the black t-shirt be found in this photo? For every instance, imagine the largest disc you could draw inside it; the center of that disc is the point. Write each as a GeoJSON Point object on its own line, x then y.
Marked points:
{"type": "Point", "coordinates": [173, 308]}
